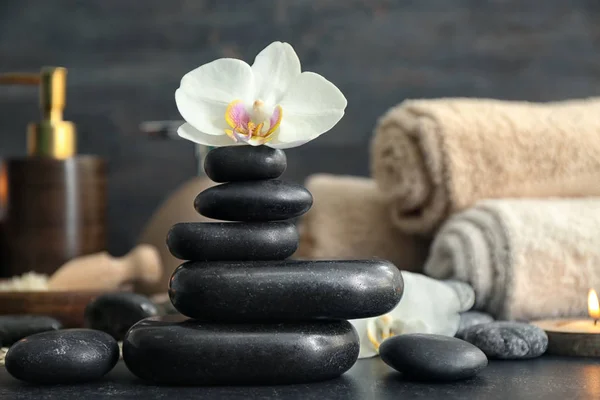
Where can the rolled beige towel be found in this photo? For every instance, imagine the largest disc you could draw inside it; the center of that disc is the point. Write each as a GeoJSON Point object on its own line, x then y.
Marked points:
{"type": "Point", "coordinates": [178, 207]}
{"type": "Point", "coordinates": [437, 157]}
{"type": "Point", "coordinates": [350, 219]}
{"type": "Point", "coordinates": [526, 259]}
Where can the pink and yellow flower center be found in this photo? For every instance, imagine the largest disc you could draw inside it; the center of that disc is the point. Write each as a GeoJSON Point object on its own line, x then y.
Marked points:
{"type": "Point", "coordinates": [255, 125]}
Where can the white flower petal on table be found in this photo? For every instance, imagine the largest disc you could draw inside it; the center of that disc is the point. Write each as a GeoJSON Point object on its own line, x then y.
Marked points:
{"type": "Point", "coordinates": [366, 348]}
{"type": "Point", "coordinates": [311, 106]}
{"type": "Point", "coordinates": [187, 131]}
{"type": "Point", "coordinates": [431, 302]}
{"type": "Point", "coordinates": [275, 68]}
{"type": "Point", "coordinates": [205, 92]}
{"type": "Point", "coordinates": [427, 306]}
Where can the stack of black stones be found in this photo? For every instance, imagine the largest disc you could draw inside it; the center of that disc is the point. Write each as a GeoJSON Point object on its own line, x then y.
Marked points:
{"type": "Point", "coordinates": [255, 317]}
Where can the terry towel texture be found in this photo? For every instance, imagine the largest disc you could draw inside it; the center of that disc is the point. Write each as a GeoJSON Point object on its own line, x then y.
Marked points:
{"type": "Point", "coordinates": [437, 157]}
{"type": "Point", "coordinates": [350, 219]}
{"type": "Point", "coordinates": [526, 259]}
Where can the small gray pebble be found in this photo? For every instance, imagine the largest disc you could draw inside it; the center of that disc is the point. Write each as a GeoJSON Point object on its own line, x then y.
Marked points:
{"type": "Point", "coordinates": [508, 340]}
{"type": "Point", "coordinates": [472, 318]}
{"type": "Point", "coordinates": [465, 293]}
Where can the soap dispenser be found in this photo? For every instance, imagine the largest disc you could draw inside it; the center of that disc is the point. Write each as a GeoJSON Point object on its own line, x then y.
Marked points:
{"type": "Point", "coordinates": [52, 201]}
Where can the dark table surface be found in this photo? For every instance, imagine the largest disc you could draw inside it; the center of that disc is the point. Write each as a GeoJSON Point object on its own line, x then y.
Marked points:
{"type": "Point", "coordinates": [544, 378]}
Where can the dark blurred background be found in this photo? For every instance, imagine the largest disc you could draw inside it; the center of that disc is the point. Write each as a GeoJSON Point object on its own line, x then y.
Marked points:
{"type": "Point", "coordinates": [126, 57]}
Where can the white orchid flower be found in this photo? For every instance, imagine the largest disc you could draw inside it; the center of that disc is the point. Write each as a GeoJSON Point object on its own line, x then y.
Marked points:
{"type": "Point", "coordinates": [227, 101]}
{"type": "Point", "coordinates": [427, 306]}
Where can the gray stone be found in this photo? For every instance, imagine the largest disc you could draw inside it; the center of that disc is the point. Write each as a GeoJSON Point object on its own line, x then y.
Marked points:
{"type": "Point", "coordinates": [427, 357]}
{"type": "Point", "coordinates": [65, 356]}
{"type": "Point", "coordinates": [508, 340]}
{"type": "Point", "coordinates": [472, 318]}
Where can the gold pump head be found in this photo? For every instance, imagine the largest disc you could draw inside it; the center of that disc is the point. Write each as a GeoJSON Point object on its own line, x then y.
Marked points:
{"type": "Point", "coordinates": [52, 136]}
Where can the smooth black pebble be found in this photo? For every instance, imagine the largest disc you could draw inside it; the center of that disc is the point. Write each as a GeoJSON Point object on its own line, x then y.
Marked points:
{"type": "Point", "coordinates": [16, 327]}
{"type": "Point", "coordinates": [115, 313]}
{"type": "Point", "coordinates": [285, 290]}
{"type": "Point", "coordinates": [242, 241]}
{"type": "Point", "coordinates": [65, 356]}
{"type": "Point", "coordinates": [197, 353]}
{"type": "Point", "coordinates": [244, 163]}
{"type": "Point", "coordinates": [269, 200]}
{"type": "Point", "coordinates": [427, 357]}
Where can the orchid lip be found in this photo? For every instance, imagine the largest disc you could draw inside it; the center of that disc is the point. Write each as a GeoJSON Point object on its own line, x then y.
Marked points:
{"type": "Point", "coordinates": [254, 127]}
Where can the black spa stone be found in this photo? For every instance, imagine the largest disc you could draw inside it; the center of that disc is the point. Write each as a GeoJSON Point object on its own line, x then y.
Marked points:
{"type": "Point", "coordinates": [206, 353]}
{"type": "Point", "coordinates": [285, 290]}
{"type": "Point", "coordinates": [426, 357]}
{"type": "Point", "coordinates": [115, 313]}
{"type": "Point", "coordinates": [269, 200]}
{"type": "Point", "coordinates": [16, 327]}
{"type": "Point", "coordinates": [200, 241]}
{"type": "Point", "coordinates": [65, 356]}
{"type": "Point", "coordinates": [244, 163]}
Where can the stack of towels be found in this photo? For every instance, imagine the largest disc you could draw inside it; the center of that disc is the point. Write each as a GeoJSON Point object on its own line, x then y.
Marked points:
{"type": "Point", "coordinates": [497, 194]}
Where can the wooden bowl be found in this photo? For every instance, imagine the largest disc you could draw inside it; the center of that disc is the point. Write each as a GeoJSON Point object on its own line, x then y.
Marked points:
{"type": "Point", "coordinates": [67, 306]}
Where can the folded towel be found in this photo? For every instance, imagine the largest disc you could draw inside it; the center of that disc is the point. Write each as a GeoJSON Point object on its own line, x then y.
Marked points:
{"type": "Point", "coordinates": [436, 157]}
{"type": "Point", "coordinates": [526, 259]}
{"type": "Point", "coordinates": [350, 219]}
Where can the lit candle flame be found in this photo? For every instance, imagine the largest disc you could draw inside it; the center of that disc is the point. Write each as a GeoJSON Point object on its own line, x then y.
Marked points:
{"type": "Point", "coordinates": [593, 306]}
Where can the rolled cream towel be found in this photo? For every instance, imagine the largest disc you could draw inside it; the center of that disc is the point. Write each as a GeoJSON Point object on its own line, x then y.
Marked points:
{"type": "Point", "coordinates": [349, 219]}
{"type": "Point", "coordinates": [437, 157]}
{"type": "Point", "coordinates": [526, 259]}
{"type": "Point", "coordinates": [427, 306]}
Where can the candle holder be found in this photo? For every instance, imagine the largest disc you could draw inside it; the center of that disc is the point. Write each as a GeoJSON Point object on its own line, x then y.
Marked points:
{"type": "Point", "coordinates": [574, 337]}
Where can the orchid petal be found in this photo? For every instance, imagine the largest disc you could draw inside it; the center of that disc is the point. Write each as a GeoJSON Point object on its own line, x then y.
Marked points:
{"type": "Point", "coordinates": [312, 106]}
{"type": "Point", "coordinates": [205, 92]}
{"type": "Point", "coordinates": [187, 131]}
{"type": "Point", "coordinates": [204, 115]}
{"type": "Point", "coordinates": [275, 69]}
{"type": "Point", "coordinates": [276, 144]}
